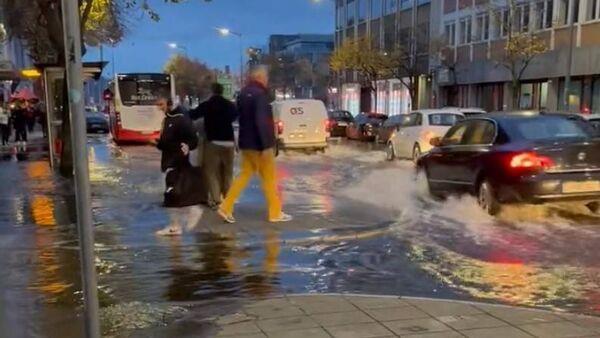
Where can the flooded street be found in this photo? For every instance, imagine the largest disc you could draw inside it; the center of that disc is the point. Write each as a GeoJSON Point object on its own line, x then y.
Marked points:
{"type": "Point", "coordinates": [361, 225]}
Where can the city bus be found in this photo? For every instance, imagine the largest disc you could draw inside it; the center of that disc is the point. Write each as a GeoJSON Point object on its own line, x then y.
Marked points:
{"type": "Point", "coordinates": [133, 115]}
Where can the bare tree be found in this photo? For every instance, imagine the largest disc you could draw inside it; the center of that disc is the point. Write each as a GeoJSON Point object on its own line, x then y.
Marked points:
{"type": "Point", "coordinates": [522, 46]}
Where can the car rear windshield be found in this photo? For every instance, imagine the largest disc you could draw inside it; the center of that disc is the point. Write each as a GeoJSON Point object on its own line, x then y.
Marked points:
{"type": "Point", "coordinates": [340, 115]}
{"type": "Point", "coordinates": [545, 128]}
{"type": "Point", "coordinates": [444, 119]}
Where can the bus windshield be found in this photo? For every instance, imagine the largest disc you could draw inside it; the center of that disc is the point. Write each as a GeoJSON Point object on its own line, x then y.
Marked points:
{"type": "Point", "coordinates": [143, 90]}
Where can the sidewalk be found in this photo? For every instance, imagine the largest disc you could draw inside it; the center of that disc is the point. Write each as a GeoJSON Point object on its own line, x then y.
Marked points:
{"type": "Point", "coordinates": [360, 316]}
{"type": "Point", "coordinates": [37, 147]}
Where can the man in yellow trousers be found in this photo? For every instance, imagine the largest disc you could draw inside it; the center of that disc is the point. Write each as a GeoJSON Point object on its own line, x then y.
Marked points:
{"type": "Point", "coordinates": [256, 143]}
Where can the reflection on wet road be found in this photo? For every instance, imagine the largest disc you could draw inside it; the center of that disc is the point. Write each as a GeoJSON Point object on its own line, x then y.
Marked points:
{"type": "Point", "coordinates": [361, 226]}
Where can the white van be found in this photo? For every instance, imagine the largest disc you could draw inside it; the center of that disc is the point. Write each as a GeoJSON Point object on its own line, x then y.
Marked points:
{"type": "Point", "coordinates": [301, 124]}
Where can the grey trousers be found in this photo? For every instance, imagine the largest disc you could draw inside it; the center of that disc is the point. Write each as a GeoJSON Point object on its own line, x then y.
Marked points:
{"type": "Point", "coordinates": [218, 171]}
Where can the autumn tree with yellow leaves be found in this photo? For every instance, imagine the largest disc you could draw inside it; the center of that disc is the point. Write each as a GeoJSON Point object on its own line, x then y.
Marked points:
{"type": "Point", "coordinates": [361, 56]}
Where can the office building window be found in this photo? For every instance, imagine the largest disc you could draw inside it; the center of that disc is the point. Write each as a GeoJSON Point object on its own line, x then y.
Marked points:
{"type": "Point", "coordinates": [350, 12]}
{"type": "Point", "coordinates": [482, 30]}
{"type": "Point", "coordinates": [504, 23]}
{"type": "Point", "coordinates": [391, 6]}
{"type": "Point", "coordinates": [522, 18]}
{"type": "Point", "coordinates": [405, 4]}
{"type": "Point", "coordinates": [544, 11]}
{"type": "Point", "coordinates": [565, 15]}
{"type": "Point", "coordinates": [376, 8]}
{"type": "Point", "coordinates": [450, 33]}
{"type": "Point", "coordinates": [465, 30]}
{"type": "Point", "coordinates": [362, 10]}
{"type": "Point", "coordinates": [340, 17]}
{"type": "Point", "coordinates": [593, 10]}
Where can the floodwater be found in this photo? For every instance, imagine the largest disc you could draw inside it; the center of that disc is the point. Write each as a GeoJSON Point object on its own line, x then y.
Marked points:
{"type": "Point", "coordinates": [361, 225]}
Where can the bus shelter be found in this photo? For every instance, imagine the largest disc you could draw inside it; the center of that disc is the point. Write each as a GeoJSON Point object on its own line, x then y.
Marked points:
{"type": "Point", "coordinates": [53, 78]}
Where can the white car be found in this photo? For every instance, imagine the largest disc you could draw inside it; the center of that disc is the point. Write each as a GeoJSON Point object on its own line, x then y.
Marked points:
{"type": "Point", "coordinates": [468, 112]}
{"type": "Point", "coordinates": [412, 139]}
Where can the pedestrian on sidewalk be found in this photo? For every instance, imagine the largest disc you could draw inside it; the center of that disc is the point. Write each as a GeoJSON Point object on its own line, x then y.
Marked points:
{"type": "Point", "coordinates": [256, 143]}
{"type": "Point", "coordinates": [19, 119]}
{"type": "Point", "coordinates": [219, 149]}
{"type": "Point", "coordinates": [4, 125]}
{"type": "Point", "coordinates": [30, 115]}
{"type": "Point", "coordinates": [183, 182]}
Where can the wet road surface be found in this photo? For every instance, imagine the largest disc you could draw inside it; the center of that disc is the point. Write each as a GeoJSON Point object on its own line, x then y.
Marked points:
{"type": "Point", "coordinates": [361, 225]}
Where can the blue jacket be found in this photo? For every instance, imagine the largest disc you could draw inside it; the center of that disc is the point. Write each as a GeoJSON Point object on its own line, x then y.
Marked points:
{"type": "Point", "coordinates": [257, 127]}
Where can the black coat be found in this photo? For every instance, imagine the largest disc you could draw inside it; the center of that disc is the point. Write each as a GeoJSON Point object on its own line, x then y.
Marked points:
{"type": "Point", "coordinates": [257, 127]}
{"type": "Point", "coordinates": [219, 114]}
{"type": "Point", "coordinates": [177, 129]}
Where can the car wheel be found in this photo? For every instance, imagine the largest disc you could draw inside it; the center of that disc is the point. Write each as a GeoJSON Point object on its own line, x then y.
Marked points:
{"type": "Point", "coordinates": [416, 153]}
{"type": "Point", "coordinates": [486, 198]}
{"type": "Point", "coordinates": [389, 152]}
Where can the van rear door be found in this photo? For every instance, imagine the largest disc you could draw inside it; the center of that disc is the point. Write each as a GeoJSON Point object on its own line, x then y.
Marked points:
{"type": "Point", "coordinates": [304, 121]}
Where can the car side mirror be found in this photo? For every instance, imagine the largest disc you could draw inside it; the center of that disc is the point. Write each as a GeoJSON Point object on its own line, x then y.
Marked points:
{"type": "Point", "coordinates": [436, 142]}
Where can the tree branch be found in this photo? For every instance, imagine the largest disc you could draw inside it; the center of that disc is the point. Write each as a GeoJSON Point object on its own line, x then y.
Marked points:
{"type": "Point", "coordinates": [86, 13]}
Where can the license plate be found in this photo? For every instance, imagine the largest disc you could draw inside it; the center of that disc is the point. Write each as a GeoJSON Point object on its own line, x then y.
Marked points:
{"type": "Point", "coordinates": [147, 132]}
{"type": "Point", "coordinates": [96, 126]}
{"type": "Point", "coordinates": [581, 187]}
{"type": "Point", "coordinates": [342, 124]}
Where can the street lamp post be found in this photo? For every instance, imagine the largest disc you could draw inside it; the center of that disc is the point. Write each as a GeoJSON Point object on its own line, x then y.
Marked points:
{"type": "Point", "coordinates": [227, 32]}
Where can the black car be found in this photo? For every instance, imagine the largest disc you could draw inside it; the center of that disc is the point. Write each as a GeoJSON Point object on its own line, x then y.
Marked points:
{"type": "Point", "coordinates": [515, 158]}
{"type": "Point", "coordinates": [365, 126]}
{"type": "Point", "coordinates": [96, 123]}
{"type": "Point", "coordinates": [338, 122]}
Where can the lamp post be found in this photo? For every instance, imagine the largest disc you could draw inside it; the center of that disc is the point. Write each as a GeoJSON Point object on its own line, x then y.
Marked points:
{"type": "Point", "coordinates": [227, 32]}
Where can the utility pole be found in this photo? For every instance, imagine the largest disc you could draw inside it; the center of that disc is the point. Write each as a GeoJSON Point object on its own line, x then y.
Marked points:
{"type": "Point", "coordinates": [571, 21]}
{"type": "Point", "coordinates": [74, 70]}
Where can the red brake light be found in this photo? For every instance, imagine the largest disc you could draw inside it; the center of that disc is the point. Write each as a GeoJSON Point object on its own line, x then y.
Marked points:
{"type": "Point", "coordinates": [328, 124]}
{"type": "Point", "coordinates": [279, 127]}
{"type": "Point", "coordinates": [531, 161]}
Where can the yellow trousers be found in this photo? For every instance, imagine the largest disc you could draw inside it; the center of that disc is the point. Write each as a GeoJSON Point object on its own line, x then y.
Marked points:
{"type": "Point", "coordinates": [261, 163]}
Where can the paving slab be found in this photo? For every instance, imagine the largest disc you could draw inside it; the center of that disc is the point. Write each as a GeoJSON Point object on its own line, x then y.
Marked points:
{"type": "Point", "coordinates": [516, 316]}
{"type": "Point", "coordinates": [445, 334]}
{"type": "Point", "coordinates": [287, 323]}
{"type": "Point", "coordinates": [361, 316]}
{"type": "Point", "coordinates": [306, 333]}
{"type": "Point", "coordinates": [416, 326]}
{"type": "Point", "coordinates": [557, 329]}
{"type": "Point", "coordinates": [342, 318]}
{"type": "Point", "coordinates": [326, 304]}
{"type": "Point", "coordinates": [497, 332]}
{"type": "Point", "coordinates": [465, 322]}
{"type": "Point", "coordinates": [367, 303]}
{"type": "Point", "coordinates": [367, 330]}
{"type": "Point", "coordinates": [398, 313]}
{"type": "Point", "coordinates": [238, 329]}
{"type": "Point", "coordinates": [273, 311]}
{"type": "Point", "coordinates": [444, 308]}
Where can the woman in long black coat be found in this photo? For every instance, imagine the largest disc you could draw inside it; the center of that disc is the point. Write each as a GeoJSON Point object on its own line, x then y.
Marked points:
{"type": "Point", "coordinates": [183, 183]}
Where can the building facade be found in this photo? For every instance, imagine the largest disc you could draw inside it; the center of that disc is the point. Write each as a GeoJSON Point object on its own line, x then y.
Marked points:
{"type": "Point", "coordinates": [314, 48]}
{"type": "Point", "coordinates": [388, 24]}
{"type": "Point", "coordinates": [468, 71]}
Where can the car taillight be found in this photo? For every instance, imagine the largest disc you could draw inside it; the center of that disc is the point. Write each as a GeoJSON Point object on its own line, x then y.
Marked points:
{"type": "Point", "coordinates": [531, 161]}
{"type": "Point", "coordinates": [118, 117]}
{"type": "Point", "coordinates": [280, 127]}
{"type": "Point", "coordinates": [328, 125]}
